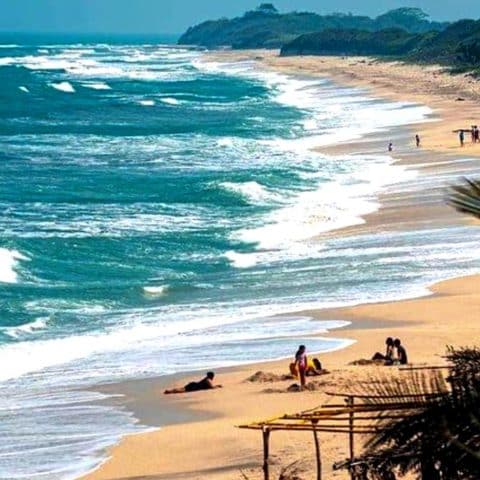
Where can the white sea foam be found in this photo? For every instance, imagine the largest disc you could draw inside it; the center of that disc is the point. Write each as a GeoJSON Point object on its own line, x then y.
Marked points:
{"type": "Point", "coordinates": [225, 142]}
{"type": "Point", "coordinates": [66, 87]}
{"type": "Point", "coordinates": [241, 260]}
{"type": "Point", "coordinates": [28, 328]}
{"type": "Point", "coordinates": [139, 340]}
{"type": "Point", "coordinates": [147, 103]}
{"type": "Point", "coordinates": [8, 265]}
{"type": "Point", "coordinates": [157, 291]}
{"type": "Point", "coordinates": [24, 89]}
{"type": "Point", "coordinates": [170, 101]}
{"type": "Point", "coordinates": [323, 102]}
{"type": "Point", "coordinates": [334, 204]}
{"type": "Point", "coordinates": [97, 85]}
{"type": "Point", "coordinates": [252, 191]}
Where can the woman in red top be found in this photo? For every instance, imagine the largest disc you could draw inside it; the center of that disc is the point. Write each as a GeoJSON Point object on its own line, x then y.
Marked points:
{"type": "Point", "coordinates": [301, 364]}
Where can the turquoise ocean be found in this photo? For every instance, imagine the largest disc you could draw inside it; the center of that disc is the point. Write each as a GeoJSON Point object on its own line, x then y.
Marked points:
{"type": "Point", "coordinates": [158, 209]}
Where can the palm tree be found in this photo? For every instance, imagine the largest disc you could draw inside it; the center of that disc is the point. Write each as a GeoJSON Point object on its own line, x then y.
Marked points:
{"type": "Point", "coordinates": [440, 441]}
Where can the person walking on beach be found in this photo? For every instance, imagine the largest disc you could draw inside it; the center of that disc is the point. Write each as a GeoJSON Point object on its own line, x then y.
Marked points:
{"type": "Point", "coordinates": [390, 147]}
{"type": "Point", "coordinates": [301, 363]}
{"type": "Point", "coordinates": [461, 137]}
{"type": "Point", "coordinates": [417, 140]}
{"type": "Point", "coordinates": [476, 134]}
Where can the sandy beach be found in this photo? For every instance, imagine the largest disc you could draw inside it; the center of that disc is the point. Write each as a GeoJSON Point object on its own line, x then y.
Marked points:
{"type": "Point", "coordinates": [204, 443]}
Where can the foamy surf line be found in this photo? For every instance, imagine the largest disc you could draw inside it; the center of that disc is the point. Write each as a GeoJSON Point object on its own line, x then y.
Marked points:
{"type": "Point", "coordinates": [313, 212]}
{"type": "Point", "coordinates": [321, 97]}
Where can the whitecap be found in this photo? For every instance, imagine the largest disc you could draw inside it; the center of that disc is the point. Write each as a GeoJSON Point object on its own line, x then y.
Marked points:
{"type": "Point", "coordinates": [97, 85]}
{"type": "Point", "coordinates": [147, 103]}
{"type": "Point", "coordinates": [252, 191]}
{"type": "Point", "coordinates": [241, 260]}
{"type": "Point", "coordinates": [28, 328]}
{"type": "Point", "coordinates": [24, 89]}
{"type": "Point", "coordinates": [170, 101]}
{"type": "Point", "coordinates": [63, 87]}
{"type": "Point", "coordinates": [8, 263]}
{"type": "Point", "coordinates": [156, 291]}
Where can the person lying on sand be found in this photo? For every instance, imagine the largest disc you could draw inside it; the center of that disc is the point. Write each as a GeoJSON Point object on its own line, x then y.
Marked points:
{"type": "Point", "coordinates": [204, 384]}
{"type": "Point", "coordinates": [388, 357]}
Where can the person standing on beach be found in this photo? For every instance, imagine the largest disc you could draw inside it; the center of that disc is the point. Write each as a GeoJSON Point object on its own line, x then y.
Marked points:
{"type": "Point", "coordinates": [477, 134]}
{"type": "Point", "coordinates": [417, 140]}
{"type": "Point", "coordinates": [301, 363]}
{"type": "Point", "coordinates": [390, 147]}
{"type": "Point", "coordinates": [461, 137]}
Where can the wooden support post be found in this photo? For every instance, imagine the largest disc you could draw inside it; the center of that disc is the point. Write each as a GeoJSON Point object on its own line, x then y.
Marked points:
{"type": "Point", "coordinates": [317, 450]}
{"type": "Point", "coordinates": [266, 452]}
{"type": "Point", "coordinates": [351, 435]}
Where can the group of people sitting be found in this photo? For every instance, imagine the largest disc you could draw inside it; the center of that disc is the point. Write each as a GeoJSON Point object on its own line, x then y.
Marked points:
{"type": "Point", "coordinates": [395, 353]}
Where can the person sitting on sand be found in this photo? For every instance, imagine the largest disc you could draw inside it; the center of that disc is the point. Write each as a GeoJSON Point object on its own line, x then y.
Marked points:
{"type": "Point", "coordinates": [204, 384]}
{"type": "Point", "coordinates": [401, 356]}
{"type": "Point", "coordinates": [314, 367]}
{"type": "Point", "coordinates": [388, 357]}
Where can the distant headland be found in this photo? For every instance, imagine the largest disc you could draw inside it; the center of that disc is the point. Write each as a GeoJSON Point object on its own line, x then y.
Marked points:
{"type": "Point", "coordinates": [405, 32]}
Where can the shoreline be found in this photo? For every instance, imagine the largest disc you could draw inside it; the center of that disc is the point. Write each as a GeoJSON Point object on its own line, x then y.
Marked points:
{"type": "Point", "coordinates": [208, 414]}
{"type": "Point", "coordinates": [216, 413]}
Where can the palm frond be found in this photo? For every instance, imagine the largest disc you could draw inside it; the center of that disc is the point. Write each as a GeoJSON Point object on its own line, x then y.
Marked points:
{"type": "Point", "coordinates": [465, 197]}
{"type": "Point", "coordinates": [388, 386]}
{"type": "Point", "coordinates": [440, 438]}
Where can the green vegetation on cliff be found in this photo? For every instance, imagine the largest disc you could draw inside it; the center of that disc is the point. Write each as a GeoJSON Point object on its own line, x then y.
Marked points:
{"type": "Point", "coordinates": [457, 45]}
{"type": "Point", "coordinates": [392, 42]}
{"type": "Point", "coordinates": [265, 27]}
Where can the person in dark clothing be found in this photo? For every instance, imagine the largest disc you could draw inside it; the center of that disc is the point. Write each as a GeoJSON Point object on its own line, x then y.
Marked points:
{"type": "Point", "coordinates": [417, 140]}
{"type": "Point", "coordinates": [401, 356]}
{"type": "Point", "coordinates": [461, 137]}
{"type": "Point", "coordinates": [204, 384]}
{"type": "Point", "coordinates": [388, 357]}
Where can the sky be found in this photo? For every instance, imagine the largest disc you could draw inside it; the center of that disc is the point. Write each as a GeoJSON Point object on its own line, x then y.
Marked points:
{"type": "Point", "coordinates": [175, 16]}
